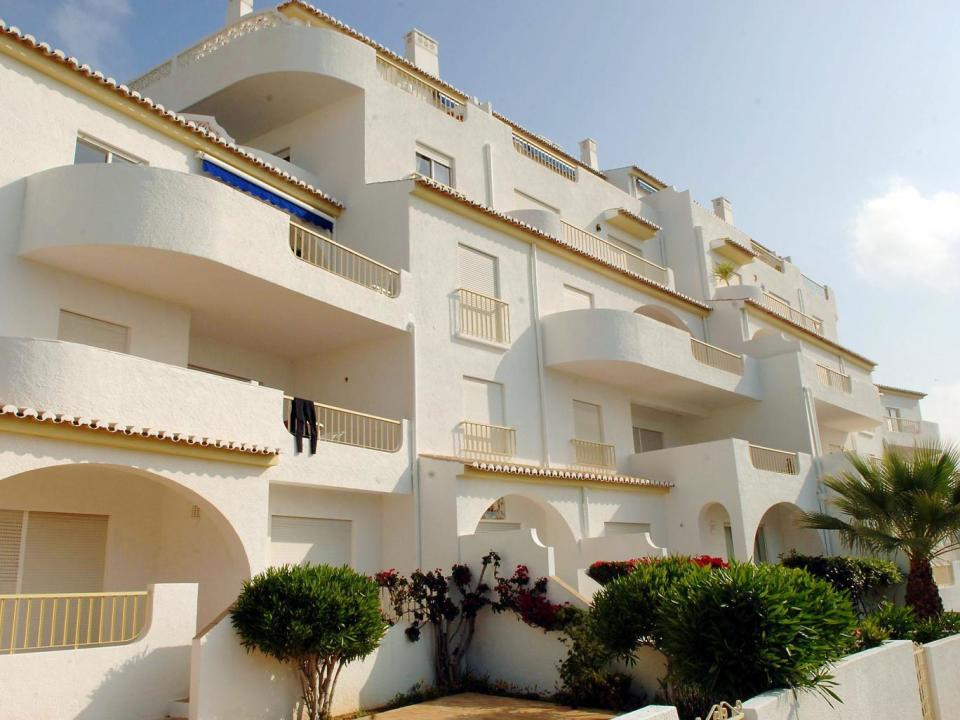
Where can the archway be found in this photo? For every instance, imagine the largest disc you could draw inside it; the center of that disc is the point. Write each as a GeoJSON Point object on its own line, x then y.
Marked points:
{"type": "Point", "coordinates": [139, 527]}
{"type": "Point", "coordinates": [664, 315]}
{"type": "Point", "coordinates": [780, 531]}
{"type": "Point", "coordinates": [716, 532]}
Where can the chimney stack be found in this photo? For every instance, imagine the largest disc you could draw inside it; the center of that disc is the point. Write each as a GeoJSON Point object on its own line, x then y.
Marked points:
{"type": "Point", "coordinates": [236, 9]}
{"type": "Point", "coordinates": [423, 51]}
{"type": "Point", "coordinates": [588, 153]}
{"type": "Point", "coordinates": [723, 209]}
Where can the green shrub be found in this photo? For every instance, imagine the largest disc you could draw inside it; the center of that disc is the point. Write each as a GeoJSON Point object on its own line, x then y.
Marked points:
{"type": "Point", "coordinates": [897, 621]}
{"type": "Point", "coordinates": [937, 628]}
{"type": "Point", "coordinates": [316, 617]}
{"type": "Point", "coordinates": [863, 578]}
{"type": "Point", "coordinates": [738, 632]}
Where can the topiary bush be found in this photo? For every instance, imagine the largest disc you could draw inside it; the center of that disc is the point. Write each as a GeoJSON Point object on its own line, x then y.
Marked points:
{"type": "Point", "coordinates": [606, 571]}
{"type": "Point", "coordinates": [864, 578]}
{"type": "Point", "coordinates": [747, 629]}
{"type": "Point", "coordinates": [316, 617]}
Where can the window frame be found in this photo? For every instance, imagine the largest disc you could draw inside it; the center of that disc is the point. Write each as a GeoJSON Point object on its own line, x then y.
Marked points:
{"type": "Point", "coordinates": [434, 158]}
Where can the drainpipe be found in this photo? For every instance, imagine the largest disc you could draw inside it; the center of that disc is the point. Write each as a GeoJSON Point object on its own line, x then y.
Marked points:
{"type": "Point", "coordinates": [412, 451]}
{"type": "Point", "coordinates": [537, 333]}
{"type": "Point", "coordinates": [814, 430]}
{"type": "Point", "coordinates": [488, 169]}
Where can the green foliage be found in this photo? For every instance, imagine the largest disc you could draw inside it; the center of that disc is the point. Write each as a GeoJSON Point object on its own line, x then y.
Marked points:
{"type": "Point", "coordinates": [937, 628]}
{"type": "Point", "coordinates": [738, 632]}
{"type": "Point", "coordinates": [862, 578]}
{"type": "Point", "coordinates": [724, 272]}
{"type": "Point", "coordinates": [316, 617]}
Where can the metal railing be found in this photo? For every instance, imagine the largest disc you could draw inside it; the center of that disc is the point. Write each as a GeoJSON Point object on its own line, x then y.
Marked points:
{"type": "Point", "coordinates": [73, 620]}
{"type": "Point", "coordinates": [347, 427]}
{"type": "Point", "coordinates": [339, 260]}
{"type": "Point", "coordinates": [778, 461]}
{"type": "Point", "coordinates": [548, 160]}
{"type": "Point", "coordinates": [834, 379]}
{"type": "Point", "coordinates": [725, 711]}
{"type": "Point", "coordinates": [429, 93]}
{"type": "Point", "coordinates": [597, 247]}
{"type": "Point", "coordinates": [594, 454]}
{"type": "Point", "coordinates": [481, 439]}
{"type": "Point", "coordinates": [895, 424]}
{"type": "Point", "coordinates": [716, 357]}
{"type": "Point", "coordinates": [482, 316]}
{"type": "Point", "coordinates": [783, 308]}
{"type": "Point", "coordinates": [816, 287]}
{"type": "Point", "coordinates": [765, 256]}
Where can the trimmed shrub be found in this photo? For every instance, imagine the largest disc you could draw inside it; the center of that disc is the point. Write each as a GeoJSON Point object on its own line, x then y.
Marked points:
{"type": "Point", "coordinates": [747, 629]}
{"type": "Point", "coordinates": [315, 617]}
{"type": "Point", "coordinates": [863, 578]}
{"type": "Point", "coordinates": [937, 628]}
{"type": "Point", "coordinates": [895, 622]}
{"type": "Point", "coordinates": [606, 571]}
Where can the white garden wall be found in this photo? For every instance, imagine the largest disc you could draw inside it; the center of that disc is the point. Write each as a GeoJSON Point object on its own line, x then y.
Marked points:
{"type": "Point", "coordinates": [943, 662]}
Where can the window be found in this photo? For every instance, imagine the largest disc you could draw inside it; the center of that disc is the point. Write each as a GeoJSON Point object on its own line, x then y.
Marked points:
{"type": "Point", "coordinates": [433, 168]}
{"type": "Point", "coordinates": [587, 422]}
{"type": "Point", "coordinates": [728, 542]}
{"type": "Point", "coordinates": [646, 440]}
{"type": "Point", "coordinates": [299, 540]}
{"type": "Point", "coordinates": [642, 187]}
{"type": "Point", "coordinates": [625, 528]}
{"type": "Point", "coordinates": [90, 331]}
{"type": "Point", "coordinates": [576, 299]}
{"type": "Point", "coordinates": [91, 151]}
{"type": "Point", "coordinates": [478, 272]}
{"type": "Point", "coordinates": [892, 412]}
{"type": "Point", "coordinates": [760, 546]}
{"type": "Point", "coordinates": [483, 401]}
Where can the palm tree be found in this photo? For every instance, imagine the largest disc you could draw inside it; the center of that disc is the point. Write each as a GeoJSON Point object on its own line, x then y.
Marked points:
{"type": "Point", "coordinates": [725, 272]}
{"type": "Point", "coordinates": [903, 502]}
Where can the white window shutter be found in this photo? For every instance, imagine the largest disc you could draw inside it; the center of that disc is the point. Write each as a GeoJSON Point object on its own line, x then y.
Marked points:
{"type": "Point", "coordinates": [478, 272]}
{"type": "Point", "coordinates": [299, 540]}
{"type": "Point", "coordinates": [65, 553]}
{"type": "Point", "coordinates": [483, 401]}
{"type": "Point", "coordinates": [11, 532]}
{"type": "Point", "coordinates": [576, 299]}
{"type": "Point", "coordinates": [586, 422]}
{"type": "Point", "coordinates": [90, 331]}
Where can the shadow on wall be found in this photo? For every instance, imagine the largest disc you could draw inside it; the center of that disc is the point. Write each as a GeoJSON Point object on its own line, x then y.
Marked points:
{"type": "Point", "coordinates": [120, 693]}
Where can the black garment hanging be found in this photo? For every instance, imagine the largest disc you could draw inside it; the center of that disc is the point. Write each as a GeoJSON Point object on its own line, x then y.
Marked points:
{"type": "Point", "coordinates": [303, 423]}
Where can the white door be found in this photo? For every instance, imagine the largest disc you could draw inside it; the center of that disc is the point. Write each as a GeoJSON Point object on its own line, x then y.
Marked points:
{"type": "Point", "coordinates": [64, 553]}
{"type": "Point", "coordinates": [576, 299]}
{"type": "Point", "coordinates": [587, 424]}
{"type": "Point", "coordinates": [483, 401]}
{"type": "Point", "coordinates": [299, 540]}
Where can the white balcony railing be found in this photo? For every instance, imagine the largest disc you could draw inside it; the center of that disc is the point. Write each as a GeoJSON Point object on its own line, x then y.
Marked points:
{"type": "Point", "coordinates": [834, 379]}
{"type": "Point", "coordinates": [487, 440]}
{"type": "Point", "coordinates": [594, 454]}
{"type": "Point", "coordinates": [784, 309]}
{"type": "Point", "coordinates": [547, 159]}
{"type": "Point", "coordinates": [895, 424]}
{"type": "Point", "coordinates": [765, 256]}
{"type": "Point", "coordinates": [348, 427]}
{"type": "Point", "coordinates": [429, 93]}
{"type": "Point", "coordinates": [716, 357]}
{"type": "Point", "coordinates": [600, 249]}
{"type": "Point", "coordinates": [75, 620]}
{"type": "Point", "coordinates": [778, 461]}
{"type": "Point", "coordinates": [339, 260]}
{"type": "Point", "coordinates": [484, 317]}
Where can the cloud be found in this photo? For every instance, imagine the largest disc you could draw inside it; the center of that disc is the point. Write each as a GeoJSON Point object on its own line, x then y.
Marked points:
{"type": "Point", "coordinates": [942, 406]}
{"type": "Point", "coordinates": [904, 237]}
{"type": "Point", "coordinates": [90, 28]}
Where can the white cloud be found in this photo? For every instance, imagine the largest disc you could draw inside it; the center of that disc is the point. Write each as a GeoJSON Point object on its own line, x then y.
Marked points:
{"type": "Point", "coordinates": [905, 237]}
{"type": "Point", "coordinates": [88, 28]}
{"type": "Point", "coordinates": [942, 406]}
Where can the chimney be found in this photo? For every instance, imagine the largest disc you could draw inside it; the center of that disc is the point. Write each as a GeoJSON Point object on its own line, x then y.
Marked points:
{"type": "Point", "coordinates": [723, 209]}
{"type": "Point", "coordinates": [588, 153]}
{"type": "Point", "coordinates": [423, 51]}
{"type": "Point", "coordinates": [236, 9]}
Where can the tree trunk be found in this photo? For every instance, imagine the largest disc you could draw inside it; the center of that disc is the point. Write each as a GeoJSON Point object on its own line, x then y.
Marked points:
{"type": "Point", "coordinates": [922, 592]}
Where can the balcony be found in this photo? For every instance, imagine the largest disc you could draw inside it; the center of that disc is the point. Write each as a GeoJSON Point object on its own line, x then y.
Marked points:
{"type": "Point", "coordinates": [487, 441]}
{"type": "Point", "coordinates": [766, 256]}
{"type": "Point", "coordinates": [597, 247]}
{"type": "Point", "coordinates": [632, 350]}
{"type": "Point", "coordinates": [785, 310]}
{"type": "Point", "coordinates": [908, 433]}
{"type": "Point", "coordinates": [544, 157]}
{"type": "Point", "coordinates": [481, 317]}
{"type": "Point", "coordinates": [594, 455]}
{"type": "Point", "coordinates": [773, 460]}
{"type": "Point", "coordinates": [322, 252]}
{"type": "Point", "coordinates": [846, 401]}
{"type": "Point", "coordinates": [903, 425]}
{"type": "Point", "coordinates": [347, 427]}
{"type": "Point", "coordinates": [834, 379]}
{"type": "Point", "coordinates": [428, 92]}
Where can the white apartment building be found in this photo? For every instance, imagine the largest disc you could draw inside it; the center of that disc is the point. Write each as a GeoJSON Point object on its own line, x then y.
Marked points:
{"type": "Point", "coordinates": [498, 337]}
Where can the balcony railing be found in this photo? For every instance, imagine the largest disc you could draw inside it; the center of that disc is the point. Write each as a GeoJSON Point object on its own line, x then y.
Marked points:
{"type": "Point", "coordinates": [339, 260]}
{"type": "Point", "coordinates": [834, 379]}
{"type": "Point", "coordinates": [75, 620]}
{"type": "Point", "coordinates": [407, 81]}
{"type": "Point", "coordinates": [484, 317]}
{"type": "Point", "coordinates": [895, 424]}
{"type": "Point", "coordinates": [765, 256]}
{"type": "Point", "coordinates": [548, 160]}
{"type": "Point", "coordinates": [347, 427]}
{"type": "Point", "coordinates": [716, 357]}
{"type": "Point", "coordinates": [783, 308]}
{"type": "Point", "coordinates": [487, 440]}
{"type": "Point", "coordinates": [815, 287]}
{"type": "Point", "coordinates": [594, 454]}
{"type": "Point", "coordinates": [778, 461]}
{"type": "Point", "coordinates": [597, 247]}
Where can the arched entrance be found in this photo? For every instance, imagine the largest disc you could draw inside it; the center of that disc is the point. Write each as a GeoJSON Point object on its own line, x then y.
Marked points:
{"type": "Point", "coordinates": [780, 531]}
{"type": "Point", "coordinates": [716, 532]}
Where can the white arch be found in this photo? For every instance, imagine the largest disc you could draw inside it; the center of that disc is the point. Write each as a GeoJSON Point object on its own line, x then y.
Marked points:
{"type": "Point", "coordinates": [781, 533]}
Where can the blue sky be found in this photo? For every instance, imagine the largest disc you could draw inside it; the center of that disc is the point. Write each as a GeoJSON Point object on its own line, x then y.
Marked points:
{"type": "Point", "coordinates": [832, 127]}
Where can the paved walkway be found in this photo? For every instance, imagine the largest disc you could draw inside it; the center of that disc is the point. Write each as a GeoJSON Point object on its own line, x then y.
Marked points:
{"type": "Point", "coordinates": [473, 706]}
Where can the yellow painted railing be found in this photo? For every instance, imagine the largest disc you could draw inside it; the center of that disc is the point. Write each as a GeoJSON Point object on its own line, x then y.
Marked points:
{"type": "Point", "coordinates": [779, 461]}
{"type": "Point", "coordinates": [482, 316]}
{"type": "Point", "coordinates": [544, 157]}
{"type": "Point", "coordinates": [407, 81]}
{"type": "Point", "coordinates": [895, 424]}
{"type": "Point", "coordinates": [716, 357]}
{"type": "Point", "coordinates": [354, 428]}
{"type": "Point", "coordinates": [834, 379]}
{"type": "Point", "coordinates": [74, 620]}
{"type": "Point", "coordinates": [594, 454]}
{"type": "Point", "coordinates": [485, 440]}
{"type": "Point", "coordinates": [597, 247]}
{"type": "Point", "coordinates": [339, 260]}
{"type": "Point", "coordinates": [780, 307]}
{"type": "Point", "coordinates": [765, 256]}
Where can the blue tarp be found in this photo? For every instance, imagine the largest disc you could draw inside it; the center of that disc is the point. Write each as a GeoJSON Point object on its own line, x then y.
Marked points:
{"type": "Point", "coordinates": [263, 193]}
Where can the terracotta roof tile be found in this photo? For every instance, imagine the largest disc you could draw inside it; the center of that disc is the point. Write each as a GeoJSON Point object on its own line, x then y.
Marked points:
{"type": "Point", "coordinates": [902, 391]}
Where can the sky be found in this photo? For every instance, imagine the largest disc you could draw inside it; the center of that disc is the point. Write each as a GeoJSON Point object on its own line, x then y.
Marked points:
{"type": "Point", "coordinates": [833, 127]}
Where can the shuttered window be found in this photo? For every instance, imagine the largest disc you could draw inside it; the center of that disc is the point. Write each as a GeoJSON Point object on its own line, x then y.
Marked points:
{"type": "Point", "coordinates": [478, 272]}
{"type": "Point", "coordinates": [576, 299]}
{"type": "Point", "coordinates": [483, 401]}
{"type": "Point", "coordinates": [586, 422]}
{"type": "Point", "coordinates": [299, 540]}
{"type": "Point", "coordinates": [646, 440]}
{"type": "Point", "coordinates": [90, 331]}
{"type": "Point", "coordinates": [11, 532]}
{"type": "Point", "coordinates": [64, 553]}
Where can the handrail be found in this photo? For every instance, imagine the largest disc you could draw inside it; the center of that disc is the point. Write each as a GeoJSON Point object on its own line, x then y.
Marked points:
{"type": "Point", "coordinates": [834, 379]}
{"type": "Point", "coordinates": [605, 251]}
{"type": "Point", "coordinates": [594, 454]}
{"type": "Point", "coordinates": [904, 425]}
{"type": "Point", "coordinates": [767, 256]}
{"type": "Point", "coordinates": [349, 427]}
{"type": "Point", "coordinates": [544, 157]}
{"type": "Point", "coordinates": [819, 287]}
{"type": "Point", "coordinates": [485, 439]}
{"type": "Point", "coordinates": [405, 80]}
{"type": "Point", "coordinates": [774, 460]}
{"type": "Point", "coordinates": [482, 316]}
{"type": "Point", "coordinates": [786, 310]}
{"type": "Point", "coordinates": [338, 259]}
{"type": "Point", "coordinates": [716, 356]}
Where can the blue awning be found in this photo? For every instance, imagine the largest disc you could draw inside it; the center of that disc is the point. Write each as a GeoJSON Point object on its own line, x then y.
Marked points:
{"type": "Point", "coordinates": [259, 191]}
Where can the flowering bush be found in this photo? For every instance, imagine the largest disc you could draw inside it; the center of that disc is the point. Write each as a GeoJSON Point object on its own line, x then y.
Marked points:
{"type": "Point", "coordinates": [605, 571]}
{"type": "Point", "coordinates": [528, 599]}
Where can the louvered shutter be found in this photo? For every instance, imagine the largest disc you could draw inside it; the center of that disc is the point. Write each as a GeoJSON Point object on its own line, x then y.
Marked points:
{"type": "Point", "coordinates": [90, 331]}
{"type": "Point", "coordinates": [298, 540]}
{"type": "Point", "coordinates": [11, 531]}
{"type": "Point", "coordinates": [586, 422]}
{"type": "Point", "coordinates": [483, 401]}
{"type": "Point", "coordinates": [65, 553]}
{"type": "Point", "coordinates": [478, 272]}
